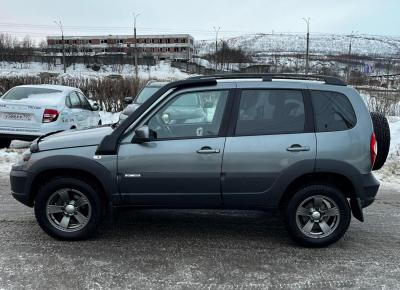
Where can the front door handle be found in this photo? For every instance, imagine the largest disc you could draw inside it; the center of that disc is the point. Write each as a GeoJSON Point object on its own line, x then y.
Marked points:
{"type": "Point", "coordinates": [207, 150]}
{"type": "Point", "coordinates": [298, 148]}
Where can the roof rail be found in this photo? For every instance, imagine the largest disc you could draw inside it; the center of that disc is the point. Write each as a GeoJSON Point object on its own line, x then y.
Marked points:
{"type": "Point", "coordinates": [267, 77]}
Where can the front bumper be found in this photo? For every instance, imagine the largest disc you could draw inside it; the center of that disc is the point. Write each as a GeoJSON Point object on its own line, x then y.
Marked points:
{"type": "Point", "coordinates": [19, 181]}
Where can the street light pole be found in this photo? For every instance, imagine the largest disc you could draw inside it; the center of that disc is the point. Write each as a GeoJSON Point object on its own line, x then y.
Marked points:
{"type": "Point", "coordinates": [216, 30]}
{"type": "Point", "coordinates": [135, 16]}
{"type": "Point", "coordinates": [59, 23]}
{"type": "Point", "coordinates": [307, 20]}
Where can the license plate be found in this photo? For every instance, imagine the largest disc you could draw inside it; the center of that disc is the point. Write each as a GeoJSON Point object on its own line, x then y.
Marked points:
{"type": "Point", "coordinates": [16, 116]}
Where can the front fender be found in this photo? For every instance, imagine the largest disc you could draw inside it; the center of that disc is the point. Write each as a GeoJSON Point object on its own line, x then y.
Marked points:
{"type": "Point", "coordinates": [70, 163]}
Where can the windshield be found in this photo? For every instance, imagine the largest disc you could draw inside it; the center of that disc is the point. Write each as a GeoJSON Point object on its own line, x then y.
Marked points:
{"type": "Point", "coordinates": [20, 93]}
{"type": "Point", "coordinates": [145, 94]}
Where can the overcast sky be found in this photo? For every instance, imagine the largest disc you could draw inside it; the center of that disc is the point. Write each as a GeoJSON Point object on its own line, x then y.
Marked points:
{"type": "Point", "coordinates": [235, 17]}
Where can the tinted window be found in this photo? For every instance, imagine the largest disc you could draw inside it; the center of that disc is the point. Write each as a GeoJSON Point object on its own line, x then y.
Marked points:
{"type": "Point", "coordinates": [20, 93]}
{"type": "Point", "coordinates": [333, 111]}
{"type": "Point", "coordinates": [74, 101]}
{"type": "Point", "coordinates": [263, 112]}
{"type": "Point", "coordinates": [190, 115]}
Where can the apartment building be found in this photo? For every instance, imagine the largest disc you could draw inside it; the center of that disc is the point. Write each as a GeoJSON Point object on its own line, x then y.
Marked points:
{"type": "Point", "coordinates": [170, 46]}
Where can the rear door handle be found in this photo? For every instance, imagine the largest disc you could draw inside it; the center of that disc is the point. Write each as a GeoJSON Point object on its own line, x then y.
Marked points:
{"type": "Point", "coordinates": [207, 150]}
{"type": "Point", "coordinates": [298, 148]}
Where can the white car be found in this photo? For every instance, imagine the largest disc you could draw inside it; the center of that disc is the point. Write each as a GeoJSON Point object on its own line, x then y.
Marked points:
{"type": "Point", "coordinates": [27, 112]}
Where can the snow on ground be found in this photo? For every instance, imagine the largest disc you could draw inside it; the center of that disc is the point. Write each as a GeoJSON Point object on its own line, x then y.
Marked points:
{"type": "Point", "coordinates": [7, 158]}
{"type": "Point", "coordinates": [109, 118]}
{"type": "Point", "coordinates": [163, 70]}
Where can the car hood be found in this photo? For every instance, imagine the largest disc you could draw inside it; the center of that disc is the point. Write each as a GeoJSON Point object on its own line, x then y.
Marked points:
{"type": "Point", "coordinates": [74, 138]}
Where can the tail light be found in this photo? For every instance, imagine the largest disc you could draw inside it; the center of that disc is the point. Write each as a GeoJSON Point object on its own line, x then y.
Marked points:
{"type": "Point", "coordinates": [373, 149]}
{"type": "Point", "coordinates": [49, 115]}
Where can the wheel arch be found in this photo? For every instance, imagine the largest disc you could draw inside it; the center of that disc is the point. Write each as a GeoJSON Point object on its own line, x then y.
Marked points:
{"type": "Point", "coordinates": [73, 166]}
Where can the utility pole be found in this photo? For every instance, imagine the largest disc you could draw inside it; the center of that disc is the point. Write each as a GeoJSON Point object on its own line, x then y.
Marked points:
{"type": "Point", "coordinates": [351, 38]}
{"type": "Point", "coordinates": [135, 16]}
{"type": "Point", "coordinates": [59, 23]}
{"type": "Point", "coordinates": [216, 30]}
{"type": "Point", "coordinates": [307, 20]}
{"type": "Point", "coordinates": [349, 54]}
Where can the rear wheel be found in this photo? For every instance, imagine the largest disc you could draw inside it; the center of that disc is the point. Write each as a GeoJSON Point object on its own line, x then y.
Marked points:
{"type": "Point", "coordinates": [68, 208]}
{"type": "Point", "coordinates": [317, 215]}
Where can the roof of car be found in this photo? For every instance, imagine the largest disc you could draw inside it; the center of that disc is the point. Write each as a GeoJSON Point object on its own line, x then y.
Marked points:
{"type": "Point", "coordinates": [65, 89]}
{"type": "Point", "coordinates": [156, 84]}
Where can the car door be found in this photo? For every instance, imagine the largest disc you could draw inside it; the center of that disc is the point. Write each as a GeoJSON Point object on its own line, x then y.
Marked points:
{"type": "Point", "coordinates": [87, 111]}
{"type": "Point", "coordinates": [78, 114]}
{"type": "Point", "coordinates": [272, 141]}
{"type": "Point", "coordinates": [182, 166]}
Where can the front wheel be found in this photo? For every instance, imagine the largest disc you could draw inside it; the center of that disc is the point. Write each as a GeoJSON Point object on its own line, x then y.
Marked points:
{"type": "Point", "coordinates": [317, 215]}
{"type": "Point", "coordinates": [68, 209]}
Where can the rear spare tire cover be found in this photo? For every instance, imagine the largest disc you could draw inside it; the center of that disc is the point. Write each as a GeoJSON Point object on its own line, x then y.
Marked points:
{"type": "Point", "coordinates": [382, 134]}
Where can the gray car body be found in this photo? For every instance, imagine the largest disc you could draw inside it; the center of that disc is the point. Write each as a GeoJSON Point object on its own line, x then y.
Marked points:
{"type": "Point", "coordinates": [249, 172]}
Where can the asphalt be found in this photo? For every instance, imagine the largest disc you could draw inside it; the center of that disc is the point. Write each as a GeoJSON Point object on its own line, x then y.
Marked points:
{"type": "Point", "coordinates": [199, 249]}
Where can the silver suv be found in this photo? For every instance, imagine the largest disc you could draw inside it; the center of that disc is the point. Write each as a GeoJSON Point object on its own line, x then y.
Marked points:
{"type": "Point", "coordinates": [303, 144]}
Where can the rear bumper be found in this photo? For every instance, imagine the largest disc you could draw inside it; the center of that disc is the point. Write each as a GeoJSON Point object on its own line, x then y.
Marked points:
{"type": "Point", "coordinates": [19, 181]}
{"type": "Point", "coordinates": [370, 187]}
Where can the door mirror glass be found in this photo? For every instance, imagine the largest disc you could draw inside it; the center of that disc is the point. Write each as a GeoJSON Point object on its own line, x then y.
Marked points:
{"type": "Point", "coordinates": [128, 100]}
{"type": "Point", "coordinates": [143, 134]}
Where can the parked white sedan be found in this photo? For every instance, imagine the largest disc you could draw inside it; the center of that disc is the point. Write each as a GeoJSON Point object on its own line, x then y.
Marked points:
{"type": "Point", "coordinates": [27, 112]}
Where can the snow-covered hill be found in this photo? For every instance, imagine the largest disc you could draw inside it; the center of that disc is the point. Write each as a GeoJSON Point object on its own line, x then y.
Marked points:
{"type": "Point", "coordinates": [260, 43]}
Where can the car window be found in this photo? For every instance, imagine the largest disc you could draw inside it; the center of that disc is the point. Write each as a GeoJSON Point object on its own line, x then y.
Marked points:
{"type": "Point", "coordinates": [74, 101]}
{"type": "Point", "coordinates": [85, 103]}
{"type": "Point", "coordinates": [263, 112]}
{"type": "Point", "coordinates": [190, 115]}
{"type": "Point", "coordinates": [333, 111]}
{"type": "Point", "coordinates": [145, 94]}
{"type": "Point", "coordinates": [19, 93]}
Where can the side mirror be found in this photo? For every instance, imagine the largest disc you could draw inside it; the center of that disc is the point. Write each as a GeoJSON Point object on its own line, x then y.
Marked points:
{"type": "Point", "coordinates": [208, 105]}
{"type": "Point", "coordinates": [95, 107]}
{"type": "Point", "coordinates": [143, 134]}
{"type": "Point", "coordinates": [128, 100]}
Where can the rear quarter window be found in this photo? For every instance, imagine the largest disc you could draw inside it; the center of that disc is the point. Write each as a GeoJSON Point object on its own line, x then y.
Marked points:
{"type": "Point", "coordinates": [333, 111]}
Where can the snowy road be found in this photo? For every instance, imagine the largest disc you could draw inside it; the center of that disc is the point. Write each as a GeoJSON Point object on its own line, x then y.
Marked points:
{"type": "Point", "coordinates": [197, 250]}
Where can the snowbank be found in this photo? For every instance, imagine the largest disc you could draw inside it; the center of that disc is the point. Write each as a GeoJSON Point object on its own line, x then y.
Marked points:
{"type": "Point", "coordinates": [109, 118]}
{"type": "Point", "coordinates": [162, 71]}
{"type": "Point", "coordinates": [7, 158]}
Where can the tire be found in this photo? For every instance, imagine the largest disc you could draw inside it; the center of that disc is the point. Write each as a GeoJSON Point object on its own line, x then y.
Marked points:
{"type": "Point", "coordinates": [51, 197]}
{"type": "Point", "coordinates": [306, 198]}
{"type": "Point", "coordinates": [382, 134]}
{"type": "Point", "coordinates": [4, 143]}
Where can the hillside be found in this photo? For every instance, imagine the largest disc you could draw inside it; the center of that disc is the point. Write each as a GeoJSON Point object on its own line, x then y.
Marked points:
{"type": "Point", "coordinates": [258, 44]}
